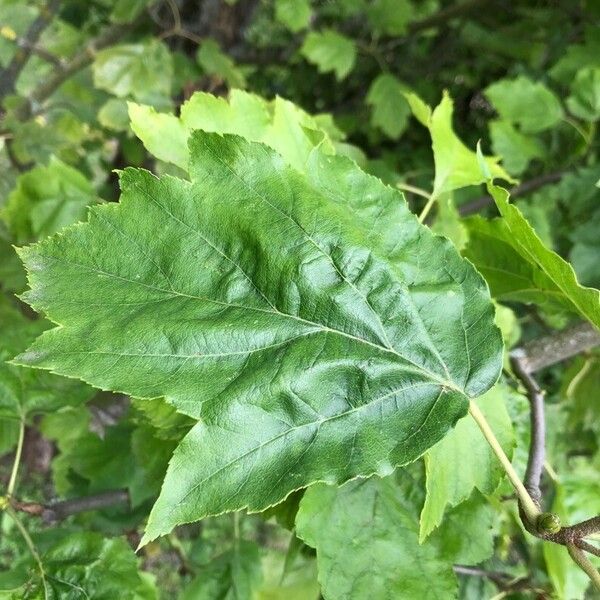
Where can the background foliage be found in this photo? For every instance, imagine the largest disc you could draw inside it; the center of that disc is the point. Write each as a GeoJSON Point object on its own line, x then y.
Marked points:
{"type": "Point", "coordinates": [406, 89]}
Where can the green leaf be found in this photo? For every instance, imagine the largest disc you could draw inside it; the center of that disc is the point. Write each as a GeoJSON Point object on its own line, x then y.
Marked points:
{"type": "Point", "coordinates": [215, 62]}
{"type": "Point", "coordinates": [584, 101]}
{"type": "Point", "coordinates": [390, 110]}
{"type": "Point", "coordinates": [390, 17]}
{"type": "Point", "coordinates": [421, 110]}
{"type": "Point", "coordinates": [24, 392]}
{"type": "Point", "coordinates": [113, 115]}
{"type": "Point", "coordinates": [294, 14]}
{"type": "Point", "coordinates": [46, 199]}
{"type": "Point", "coordinates": [292, 320]}
{"type": "Point", "coordinates": [280, 124]}
{"type": "Point", "coordinates": [234, 574]}
{"type": "Point", "coordinates": [143, 71]}
{"type": "Point", "coordinates": [283, 581]}
{"type": "Point", "coordinates": [519, 267]}
{"type": "Point", "coordinates": [463, 461]}
{"type": "Point", "coordinates": [330, 51]}
{"type": "Point", "coordinates": [163, 135]}
{"type": "Point", "coordinates": [515, 148]}
{"type": "Point", "coordinates": [85, 565]}
{"type": "Point", "coordinates": [526, 103]}
{"type": "Point", "coordinates": [366, 537]}
{"type": "Point", "coordinates": [125, 11]}
{"type": "Point", "coordinates": [448, 222]}
{"type": "Point", "coordinates": [456, 166]}
{"type": "Point", "coordinates": [467, 534]}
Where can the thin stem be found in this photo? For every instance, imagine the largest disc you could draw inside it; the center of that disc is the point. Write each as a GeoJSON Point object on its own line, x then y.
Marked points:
{"type": "Point", "coordinates": [529, 507]}
{"type": "Point", "coordinates": [427, 208]}
{"type": "Point", "coordinates": [588, 547]}
{"type": "Point", "coordinates": [32, 548]}
{"type": "Point", "coordinates": [413, 190]}
{"type": "Point", "coordinates": [584, 564]}
{"type": "Point", "coordinates": [175, 13]}
{"type": "Point", "coordinates": [12, 482]}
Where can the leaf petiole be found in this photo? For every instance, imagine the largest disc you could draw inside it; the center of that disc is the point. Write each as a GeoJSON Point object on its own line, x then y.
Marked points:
{"type": "Point", "coordinates": [532, 512]}
{"type": "Point", "coordinates": [12, 482]}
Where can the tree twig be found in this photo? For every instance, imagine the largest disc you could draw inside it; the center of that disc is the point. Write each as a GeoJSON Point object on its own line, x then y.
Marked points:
{"type": "Point", "coordinates": [537, 445]}
{"type": "Point", "coordinates": [51, 513]}
{"type": "Point", "coordinates": [554, 348]}
{"type": "Point", "coordinates": [534, 356]}
{"type": "Point", "coordinates": [26, 46]}
{"type": "Point", "coordinates": [46, 88]}
{"type": "Point", "coordinates": [588, 547]}
{"type": "Point", "coordinates": [474, 206]}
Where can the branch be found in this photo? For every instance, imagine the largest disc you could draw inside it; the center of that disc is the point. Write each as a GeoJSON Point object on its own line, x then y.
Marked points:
{"type": "Point", "coordinates": [556, 347]}
{"type": "Point", "coordinates": [9, 76]}
{"type": "Point", "coordinates": [534, 356]}
{"type": "Point", "coordinates": [51, 513]}
{"type": "Point", "coordinates": [537, 445]}
{"type": "Point", "coordinates": [445, 15]}
{"type": "Point", "coordinates": [505, 582]}
{"type": "Point", "coordinates": [83, 59]}
{"type": "Point", "coordinates": [474, 206]}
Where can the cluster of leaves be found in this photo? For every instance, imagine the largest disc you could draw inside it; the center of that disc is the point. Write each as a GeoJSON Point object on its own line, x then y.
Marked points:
{"type": "Point", "coordinates": [285, 313]}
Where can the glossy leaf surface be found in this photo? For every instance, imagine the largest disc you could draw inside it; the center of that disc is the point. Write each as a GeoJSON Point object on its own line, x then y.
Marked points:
{"type": "Point", "coordinates": [310, 345]}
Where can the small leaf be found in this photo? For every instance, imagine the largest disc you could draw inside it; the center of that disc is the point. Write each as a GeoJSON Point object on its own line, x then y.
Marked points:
{"type": "Point", "coordinates": [330, 51]}
{"type": "Point", "coordinates": [143, 71]}
{"type": "Point", "coordinates": [528, 104]}
{"type": "Point", "coordinates": [390, 17]}
{"type": "Point", "coordinates": [46, 199]}
{"type": "Point", "coordinates": [84, 564]}
{"type": "Point", "coordinates": [294, 14]}
{"type": "Point", "coordinates": [215, 62]}
{"type": "Point", "coordinates": [584, 101]}
{"type": "Point", "coordinates": [456, 166]}
{"type": "Point", "coordinates": [390, 110]}
{"type": "Point", "coordinates": [515, 148]}
{"type": "Point", "coordinates": [24, 392]}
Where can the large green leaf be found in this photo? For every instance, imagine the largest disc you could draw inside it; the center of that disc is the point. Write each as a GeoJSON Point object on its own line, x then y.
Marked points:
{"type": "Point", "coordinates": [463, 461]}
{"type": "Point", "coordinates": [313, 326]}
{"type": "Point", "coordinates": [366, 536]}
{"type": "Point", "coordinates": [518, 266]}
